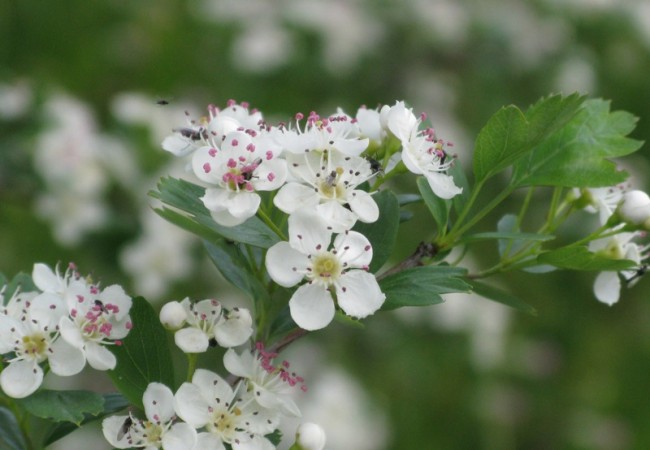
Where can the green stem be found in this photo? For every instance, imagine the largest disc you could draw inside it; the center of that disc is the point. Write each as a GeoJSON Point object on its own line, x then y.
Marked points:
{"type": "Point", "coordinates": [267, 220]}
{"type": "Point", "coordinates": [191, 365]}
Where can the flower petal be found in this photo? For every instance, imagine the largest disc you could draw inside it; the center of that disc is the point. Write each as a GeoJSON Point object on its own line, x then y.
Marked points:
{"type": "Point", "coordinates": [294, 196]}
{"type": "Point", "coordinates": [64, 359]}
{"type": "Point", "coordinates": [45, 279]}
{"type": "Point", "coordinates": [21, 378]}
{"type": "Point", "coordinates": [353, 249]}
{"type": "Point", "coordinates": [208, 441]}
{"type": "Point", "coordinates": [158, 401]}
{"type": "Point", "coordinates": [240, 365]}
{"type": "Point", "coordinates": [442, 185]}
{"type": "Point", "coordinates": [212, 386]}
{"type": "Point", "coordinates": [181, 436]}
{"type": "Point", "coordinates": [364, 206]}
{"type": "Point", "coordinates": [99, 357]}
{"type": "Point", "coordinates": [71, 333]}
{"type": "Point", "coordinates": [191, 340]}
{"type": "Point", "coordinates": [336, 216]}
{"type": "Point", "coordinates": [270, 175]}
{"type": "Point", "coordinates": [111, 428]}
{"type": "Point", "coordinates": [358, 293]}
{"type": "Point", "coordinates": [236, 329]}
{"type": "Point", "coordinates": [286, 265]}
{"type": "Point", "coordinates": [191, 406]}
{"type": "Point", "coordinates": [308, 232]}
{"type": "Point", "coordinates": [607, 287]}
{"type": "Point", "coordinates": [244, 204]}
{"type": "Point", "coordinates": [312, 307]}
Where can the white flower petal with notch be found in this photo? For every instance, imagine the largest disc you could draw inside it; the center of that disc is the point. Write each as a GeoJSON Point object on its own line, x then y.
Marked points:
{"type": "Point", "coordinates": [358, 294]}
{"type": "Point", "coordinates": [191, 340]}
{"type": "Point", "coordinates": [286, 265]}
{"type": "Point", "coordinates": [364, 206]}
{"type": "Point", "coordinates": [21, 378]}
{"type": "Point", "coordinates": [312, 307]}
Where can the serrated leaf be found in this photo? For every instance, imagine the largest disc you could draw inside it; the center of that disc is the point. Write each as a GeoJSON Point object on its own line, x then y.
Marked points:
{"type": "Point", "coordinates": [11, 437]}
{"type": "Point", "coordinates": [578, 154]}
{"type": "Point", "coordinates": [382, 234]}
{"type": "Point", "coordinates": [422, 286]}
{"type": "Point", "coordinates": [234, 267]}
{"type": "Point", "coordinates": [580, 258]}
{"type": "Point", "coordinates": [500, 296]}
{"type": "Point", "coordinates": [113, 402]}
{"type": "Point", "coordinates": [500, 142]}
{"type": "Point", "coordinates": [144, 355]}
{"type": "Point", "coordinates": [185, 196]}
{"type": "Point", "coordinates": [438, 207]}
{"type": "Point", "coordinates": [63, 406]}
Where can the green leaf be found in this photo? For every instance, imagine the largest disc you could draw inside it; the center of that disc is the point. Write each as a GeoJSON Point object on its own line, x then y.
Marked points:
{"type": "Point", "coordinates": [11, 438]}
{"type": "Point", "coordinates": [438, 207]}
{"type": "Point", "coordinates": [500, 296]}
{"type": "Point", "coordinates": [407, 199]}
{"type": "Point", "coordinates": [580, 258]}
{"type": "Point", "coordinates": [22, 281]}
{"type": "Point", "coordinates": [500, 142]}
{"type": "Point", "coordinates": [460, 179]}
{"type": "Point", "coordinates": [63, 406]}
{"type": "Point", "coordinates": [113, 402]}
{"type": "Point", "coordinates": [578, 154]}
{"type": "Point", "coordinates": [422, 286]}
{"type": "Point", "coordinates": [144, 355]}
{"type": "Point", "coordinates": [185, 196]}
{"type": "Point", "coordinates": [235, 268]}
{"type": "Point", "coordinates": [510, 134]}
{"type": "Point", "coordinates": [382, 234]}
{"type": "Point", "coordinates": [506, 236]}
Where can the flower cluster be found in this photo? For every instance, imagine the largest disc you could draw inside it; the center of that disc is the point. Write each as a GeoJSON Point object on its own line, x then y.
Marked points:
{"type": "Point", "coordinates": [319, 171]}
{"type": "Point", "coordinates": [209, 412]}
{"type": "Point", "coordinates": [66, 322]}
{"type": "Point", "coordinates": [626, 213]}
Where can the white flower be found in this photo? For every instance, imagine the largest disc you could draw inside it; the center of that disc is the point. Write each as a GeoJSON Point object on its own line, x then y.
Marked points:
{"type": "Point", "coordinates": [32, 342]}
{"type": "Point", "coordinates": [635, 208]}
{"type": "Point", "coordinates": [607, 286]}
{"type": "Point", "coordinates": [308, 256]}
{"type": "Point", "coordinates": [328, 183]}
{"type": "Point", "coordinates": [271, 386]}
{"type": "Point", "coordinates": [310, 436]}
{"type": "Point", "coordinates": [173, 315]}
{"type": "Point", "coordinates": [158, 431]}
{"type": "Point", "coordinates": [602, 200]}
{"type": "Point", "coordinates": [210, 324]}
{"type": "Point", "coordinates": [209, 401]}
{"type": "Point", "coordinates": [240, 167]}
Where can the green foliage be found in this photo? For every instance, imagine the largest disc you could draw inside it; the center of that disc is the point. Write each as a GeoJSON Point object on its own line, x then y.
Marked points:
{"type": "Point", "coordinates": [11, 438]}
{"type": "Point", "coordinates": [185, 196]}
{"type": "Point", "coordinates": [510, 134]}
{"type": "Point", "coordinates": [22, 281]}
{"type": "Point", "coordinates": [438, 207]}
{"type": "Point", "coordinates": [505, 236]}
{"type": "Point", "coordinates": [577, 155]}
{"type": "Point", "coordinates": [112, 403]}
{"type": "Point", "coordinates": [382, 234]}
{"type": "Point", "coordinates": [422, 286]}
{"type": "Point", "coordinates": [580, 258]}
{"type": "Point", "coordinates": [144, 355]}
{"type": "Point", "coordinates": [235, 267]}
{"type": "Point", "coordinates": [63, 406]}
{"type": "Point", "coordinates": [500, 296]}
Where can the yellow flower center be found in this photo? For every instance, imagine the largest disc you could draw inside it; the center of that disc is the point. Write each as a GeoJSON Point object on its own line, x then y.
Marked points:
{"type": "Point", "coordinates": [326, 268]}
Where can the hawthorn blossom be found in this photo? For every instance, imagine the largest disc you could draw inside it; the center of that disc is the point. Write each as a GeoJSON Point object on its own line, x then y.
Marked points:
{"type": "Point", "coordinates": [159, 430]}
{"type": "Point", "coordinates": [328, 183]}
{"type": "Point", "coordinates": [635, 209]}
{"type": "Point", "coordinates": [272, 386]}
{"type": "Point", "coordinates": [31, 342]}
{"type": "Point", "coordinates": [208, 324]}
{"type": "Point", "coordinates": [310, 436]}
{"type": "Point", "coordinates": [608, 284]}
{"type": "Point", "coordinates": [341, 267]}
{"type": "Point", "coordinates": [235, 171]}
{"type": "Point", "coordinates": [88, 317]}
{"type": "Point", "coordinates": [601, 200]}
{"type": "Point", "coordinates": [228, 416]}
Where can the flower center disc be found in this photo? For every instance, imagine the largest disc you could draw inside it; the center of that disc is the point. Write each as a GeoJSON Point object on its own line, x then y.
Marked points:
{"type": "Point", "coordinates": [326, 268]}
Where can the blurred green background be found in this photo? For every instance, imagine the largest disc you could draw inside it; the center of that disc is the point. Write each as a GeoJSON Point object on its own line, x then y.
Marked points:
{"type": "Point", "coordinates": [80, 129]}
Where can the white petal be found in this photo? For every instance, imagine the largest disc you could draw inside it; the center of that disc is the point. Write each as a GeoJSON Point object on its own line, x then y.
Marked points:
{"type": "Point", "coordinates": [191, 340]}
{"type": "Point", "coordinates": [226, 219]}
{"type": "Point", "coordinates": [244, 204]}
{"type": "Point", "coordinates": [111, 427]}
{"type": "Point", "coordinates": [71, 333]}
{"type": "Point", "coordinates": [178, 145]}
{"type": "Point", "coordinates": [239, 365]}
{"type": "Point", "coordinates": [212, 386]}
{"type": "Point", "coordinates": [351, 147]}
{"type": "Point", "coordinates": [274, 401]}
{"type": "Point", "coordinates": [308, 233]}
{"type": "Point", "coordinates": [443, 185]}
{"type": "Point", "coordinates": [255, 442]}
{"type": "Point", "coordinates": [364, 206]}
{"type": "Point", "coordinates": [236, 329]}
{"type": "Point", "coordinates": [401, 121]}
{"type": "Point", "coordinates": [115, 295]}
{"type": "Point", "coordinates": [208, 441]}
{"type": "Point", "coordinates": [270, 175]}
{"type": "Point", "coordinates": [205, 166]}
{"type": "Point", "coordinates": [66, 360]}
{"type": "Point", "coordinates": [47, 309]}
{"type": "Point", "coordinates": [21, 378]}
{"type": "Point", "coordinates": [191, 406]}
{"type": "Point", "coordinates": [180, 436]}
{"type": "Point", "coordinates": [336, 216]}
{"type": "Point", "coordinates": [10, 330]}
{"type": "Point", "coordinates": [409, 159]}
{"type": "Point", "coordinates": [607, 287]}
{"type": "Point", "coordinates": [158, 401]}
{"type": "Point", "coordinates": [294, 196]}
{"type": "Point", "coordinates": [312, 307]}
{"type": "Point", "coordinates": [99, 357]}
{"type": "Point", "coordinates": [354, 249]}
{"type": "Point", "coordinates": [45, 279]}
{"type": "Point", "coordinates": [358, 293]}
{"type": "Point", "coordinates": [215, 199]}
{"type": "Point", "coordinates": [285, 264]}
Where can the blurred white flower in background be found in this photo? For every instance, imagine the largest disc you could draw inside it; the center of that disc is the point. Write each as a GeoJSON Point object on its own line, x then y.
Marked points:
{"type": "Point", "coordinates": [15, 99]}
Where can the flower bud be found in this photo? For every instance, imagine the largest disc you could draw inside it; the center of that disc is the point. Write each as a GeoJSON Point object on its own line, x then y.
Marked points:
{"type": "Point", "coordinates": [635, 208]}
{"type": "Point", "coordinates": [173, 315]}
{"type": "Point", "coordinates": [310, 436]}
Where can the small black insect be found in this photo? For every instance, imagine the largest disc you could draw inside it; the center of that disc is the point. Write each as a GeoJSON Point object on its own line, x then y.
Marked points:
{"type": "Point", "coordinates": [126, 426]}
{"type": "Point", "coordinates": [375, 166]}
{"type": "Point", "coordinates": [101, 305]}
{"type": "Point", "coordinates": [191, 133]}
{"type": "Point", "coordinates": [637, 274]}
{"type": "Point", "coordinates": [162, 102]}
